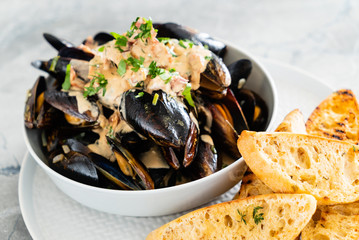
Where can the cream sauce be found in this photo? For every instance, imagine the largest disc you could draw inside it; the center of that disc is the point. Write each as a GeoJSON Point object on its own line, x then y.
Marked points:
{"type": "Point", "coordinates": [153, 159]}
{"type": "Point", "coordinates": [83, 104]}
{"type": "Point", "coordinates": [207, 139]}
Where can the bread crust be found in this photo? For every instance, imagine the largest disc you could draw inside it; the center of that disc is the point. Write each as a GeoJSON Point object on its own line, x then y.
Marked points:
{"type": "Point", "coordinates": [334, 222]}
{"type": "Point", "coordinates": [234, 219]}
{"type": "Point", "coordinates": [297, 163]}
{"type": "Point", "coordinates": [336, 117]}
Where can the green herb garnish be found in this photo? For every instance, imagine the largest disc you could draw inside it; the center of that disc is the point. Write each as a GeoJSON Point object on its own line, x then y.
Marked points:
{"type": "Point", "coordinates": [145, 29]}
{"type": "Point", "coordinates": [208, 58]}
{"type": "Point", "coordinates": [153, 70]}
{"type": "Point", "coordinates": [100, 49]}
{"type": "Point", "coordinates": [111, 133]}
{"type": "Point", "coordinates": [121, 41]}
{"type": "Point", "coordinates": [135, 63]}
{"type": "Point", "coordinates": [258, 217]}
{"type": "Point", "coordinates": [67, 83]}
{"type": "Point", "coordinates": [122, 67]}
{"type": "Point", "coordinates": [101, 81]}
{"type": "Point", "coordinates": [187, 94]}
{"type": "Point", "coordinates": [53, 63]}
{"type": "Point", "coordinates": [140, 94]}
{"type": "Point", "coordinates": [155, 99]}
{"type": "Point", "coordinates": [181, 43]}
{"type": "Point", "coordinates": [242, 217]}
{"type": "Point", "coordinates": [164, 40]}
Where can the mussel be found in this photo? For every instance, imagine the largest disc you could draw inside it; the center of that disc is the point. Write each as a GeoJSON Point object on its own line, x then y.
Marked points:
{"type": "Point", "coordinates": [174, 30]}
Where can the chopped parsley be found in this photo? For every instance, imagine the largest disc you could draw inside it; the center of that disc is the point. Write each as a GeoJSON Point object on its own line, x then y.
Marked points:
{"type": "Point", "coordinates": [100, 49]}
{"type": "Point", "coordinates": [102, 83]}
{"type": "Point", "coordinates": [111, 133]}
{"type": "Point", "coordinates": [53, 63]}
{"type": "Point", "coordinates": [164, 40]}
{"type": "Point", "coordinates": [208, 58]}
{"type": "Point", "coordinates": [121, 41]}
{"type": "Point", "coordinates": [122, 67]}
{"type": "Point", "coordinates": [242, 215]}
{"type": "Point", "coordinates": [187, 94]}
{"type": "Point", "coordinates": [182, 43]}
{"type": "Point", "coordinates": [67, 83]}
{"type": "Point", "coordinates": [135, 63]}
{"type": "Point", "coordinates": [354, 148]}
{"type": "Point", "coordinates": [258, 217]}
{"type": "Point", "coordinates": [154, 71]}
{"type": "Point", "coordinates": [145, 29]}
{"type": "Point", "coordinates": [155, 99]}
{"type": "Point", "coordinates": [140, 94]}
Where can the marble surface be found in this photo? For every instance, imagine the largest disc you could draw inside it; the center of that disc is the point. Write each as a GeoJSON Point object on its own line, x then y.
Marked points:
{"type": "Point", "coordinates": [320, 37]}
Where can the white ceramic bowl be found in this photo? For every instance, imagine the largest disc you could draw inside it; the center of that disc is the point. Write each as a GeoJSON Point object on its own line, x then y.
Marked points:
{"type": "Point", "coordinates": [172, 199]}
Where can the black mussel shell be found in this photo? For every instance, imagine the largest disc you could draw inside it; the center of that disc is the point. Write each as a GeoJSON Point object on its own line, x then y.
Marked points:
{"type": "Point", "coordinates": [56, 42]}
{"type": "Point", "coordinates": [164, 120]}
{"type": "Point", "coordinates": [68, 104]}
{"type": "Point", "coordinates": [75, 166]}
{"type": "Point", "coordinates": [174, 30]}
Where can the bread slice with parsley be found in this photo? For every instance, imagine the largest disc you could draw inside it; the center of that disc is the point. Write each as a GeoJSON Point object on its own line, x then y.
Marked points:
{"type": "Point", "coordinates": [251, 185]}
{"type": "Point", "coordinates": [298, 163]}
{"type": "Point", "coordinates": [274, 216]}
{"type": "Point", "coordinates": [334, 222]}
{"type": "Point", "coordinates": [336, 117]}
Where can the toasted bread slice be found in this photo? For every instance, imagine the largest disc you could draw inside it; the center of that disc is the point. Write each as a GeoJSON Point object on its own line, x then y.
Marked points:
{"type": "Point", "coordinates": [293, 122]}
{"type": "Point", "coordinates": [336, 117]}
{"type": "Point", "coordinates": [251, 185]}
{"type": "Point", "coordinates": [297, 163]}
{"type": "Point", "coordinates": [334, 222]}
{"type": "Point", "coordinates": [236, 219]}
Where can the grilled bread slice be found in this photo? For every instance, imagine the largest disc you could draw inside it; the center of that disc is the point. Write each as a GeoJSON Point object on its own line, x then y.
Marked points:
{"type": "Point", "coordinates": [334, 222]}
{"type": "Point", "coordinates": [251, 185]}
{"type": "Point", "coordinates": [274, 216]}
{"type": "Point", "coordinates": [297, 163]}
{"type": "Point", "coordinates": [336, 117]}
{"type": "Point", "coordinates": [293, 122]}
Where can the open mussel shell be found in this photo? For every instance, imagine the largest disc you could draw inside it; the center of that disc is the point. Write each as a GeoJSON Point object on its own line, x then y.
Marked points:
{"type": "Point", "coordinates": [215, 79]}
{"type": "Point", "coordinates": [228, 122]}
{"type": "Point", "coordinates": [126, 157]}
{"type": "Point", "coordinates": [206, 161]}
{"type": "Point", "coordinates": [164, 120]}
{"type": "Point", "coordinates": [34, 102]}
{"type": "Point", "coordinates": [75, 53]}
{"type": "Point", "coordinates": [68, 104]}
{"type": "Point", "coordinates": [57, 43]}
{"type": "Point", "coordinates": [113, 173]}
{"type": "Point", "coordinates": [74, 165]}
{"type": "Point", "coordinates": [174, 30]}
{"type": "Point", "coordinates": [102, 38]}
{"type": "Point", "coordinates": [239, 71]}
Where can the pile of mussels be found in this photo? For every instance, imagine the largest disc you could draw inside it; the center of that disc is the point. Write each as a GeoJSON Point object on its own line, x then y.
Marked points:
{"type": "Point", "coordinates": [152, 138]}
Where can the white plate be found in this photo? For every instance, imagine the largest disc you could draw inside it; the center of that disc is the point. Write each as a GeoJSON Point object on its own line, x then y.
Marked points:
{"type": "Point", "coordinates": [50, 214]}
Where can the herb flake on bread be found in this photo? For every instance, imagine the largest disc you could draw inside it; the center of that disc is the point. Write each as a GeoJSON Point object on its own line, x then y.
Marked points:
{"type": "Point", "coordinates": [260, 217]}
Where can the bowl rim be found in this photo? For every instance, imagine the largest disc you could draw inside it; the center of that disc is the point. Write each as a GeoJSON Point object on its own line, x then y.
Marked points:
{"type": "Point", "coordinates": [176, 188]}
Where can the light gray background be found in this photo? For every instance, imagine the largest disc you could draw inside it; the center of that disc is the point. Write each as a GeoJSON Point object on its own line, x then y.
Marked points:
{"type": "Point", "coordinates": [321, 37]}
